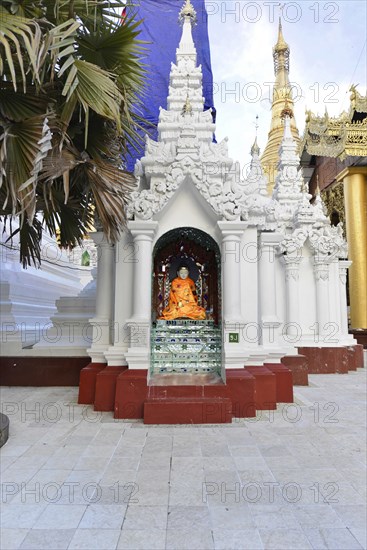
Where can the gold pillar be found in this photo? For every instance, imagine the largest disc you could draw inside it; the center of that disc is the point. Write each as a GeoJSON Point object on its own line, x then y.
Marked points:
{"type": "Point", "coordinates": [355, 197]}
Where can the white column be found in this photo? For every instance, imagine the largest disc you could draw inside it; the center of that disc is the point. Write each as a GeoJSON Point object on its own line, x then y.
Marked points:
{"type": "Point", "coordinates": [334, 327]}
{"type": "Point", "coordinates": [249, 275]}
{"type": "Point", "coordinates": [124, 279]}
{"type": "Point", "coordinates": [138, 354]}
{"type": "Point", "coordinates": [321, 271]}
{"type": "Point", "coordinates": [233, 323]}
{"type": "Point", "coordinates": [143, 234]}
{"type": "Point", "coordinates": [231, 267]}
{"type": "Point", "coordinates": [250, 291]}
{"type": "Point", "coordinates": [292, 294]}
{"type": "Point", "coordinates": [344, 328]}
{"type": "Point", "coordinates": [268, 291]}
{"type": "Point", "coordinates": [102, 321]}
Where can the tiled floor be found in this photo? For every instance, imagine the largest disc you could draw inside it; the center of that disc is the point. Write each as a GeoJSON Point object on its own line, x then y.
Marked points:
{"type": "Point", "coordinates": [290, 479]}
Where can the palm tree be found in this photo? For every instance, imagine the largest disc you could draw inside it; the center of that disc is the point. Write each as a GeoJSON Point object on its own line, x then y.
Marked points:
{"type": "Point", "coordinates": [71, 73]}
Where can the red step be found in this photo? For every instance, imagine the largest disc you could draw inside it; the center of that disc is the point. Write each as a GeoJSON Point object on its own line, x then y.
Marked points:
{"type": "Point", "coordinates": [326, 360]}
{"type": "Point", "coordinates": [178, 391]}
{"type": "Point", "coordinates": [265, 388]}
{"type": "Point", "coordinates": [241, 388]}
{"type": "Point", "coordinates": [245, 391]}
{"type": "Point", "coordinates": [359, 356]}
{"type": "Point", "coordinates": [299, 367]}
{"type": "Point", "coordinates": [131, 392]}
{"type": "Point", "coordinates": [355, 357]}
{"type": "Point", "coordinates": [284, 382]}
{"type": "Point", "coordinates": [188, 410]}
{"type": "Point", "coordinates": [104, 399]}
{"type": "Point", "coordinates": [87, 383]}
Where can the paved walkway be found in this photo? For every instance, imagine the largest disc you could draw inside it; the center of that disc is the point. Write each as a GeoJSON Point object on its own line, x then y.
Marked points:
{"type": "Point", "coordinates": [290, 479]}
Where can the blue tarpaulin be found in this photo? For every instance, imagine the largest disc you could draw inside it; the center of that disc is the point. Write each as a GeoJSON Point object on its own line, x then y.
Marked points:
{"type": "Point", "coordinates": [161, 29]}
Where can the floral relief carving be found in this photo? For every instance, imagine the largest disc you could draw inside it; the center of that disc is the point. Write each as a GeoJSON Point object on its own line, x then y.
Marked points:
{"type": "Point", "coordinates": [321, 270]}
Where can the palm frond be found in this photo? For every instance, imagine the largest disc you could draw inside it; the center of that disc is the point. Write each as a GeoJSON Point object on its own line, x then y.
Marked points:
{"type": "Point", "coordinates": [95, 90]}
{"type": "Point", "coordinates": [23, 146]}
{"type": "Point", "coordinates": [61, 44]}
{"type": "Point", "coordinates": [58, 11]}
{"type": "Point", "coordinates": [59, 161]}
{"type": "Point", "coordinates": [62, 142]}
{"type": "Point", "coordinates": [21, 34]}
{"type": "Point", "coordinates": [72, 220]}
{"type": "Point", "coordinates": [114, 48]}
{"type": "Point", "coordinates": [16, 106]}
{"type": "Point", "coordinates": [30, 239]}
{"type": "Point", "coordinates": [110, 188]}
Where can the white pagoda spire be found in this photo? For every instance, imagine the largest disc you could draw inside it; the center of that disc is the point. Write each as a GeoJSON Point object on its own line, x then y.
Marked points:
{"type": "Point", "coordinates": [185, 87]}
{"type": "Point", "coordinates": [186, 77]}
{"type": "Point", "coordinates": [289, 180]}
{"type": "Point", "coordinates": [185, 149]}
{"type": "Point", "coordinates": [256, 181]}
{"type": "Point", "coordinates": [187, 47]}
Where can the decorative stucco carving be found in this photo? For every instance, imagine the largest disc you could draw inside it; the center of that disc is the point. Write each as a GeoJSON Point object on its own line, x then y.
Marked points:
{"type": "Point", "coordinates": [292, 266]}
{"type": "Point", "coordinates": [321, 270]}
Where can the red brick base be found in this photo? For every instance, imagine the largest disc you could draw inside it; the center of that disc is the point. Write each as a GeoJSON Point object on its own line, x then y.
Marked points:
{"type": "Point", "coordinates": [87, 383]}
{"type": "Point", "coordinates": [358, 355]}
{"type": "Point", "coordinates": [126, 392]}
{"type": "Point", "coordinates": [104, 399]}
{"type": "Point", "coordinates": [284, 382]}
{"type": "Point", "coordinates": [186, 410]}
{"type": "Point", "coordinates": [241, 388]}
{"type": "Point", "coordinates": [322, 360]}
{"type": "Point", "coordinates": [265, 388]}
{"type": "Point", "coordinates": [243, 393]}
{"type": "Point", "coordinates": [298, 365]}
{"type": "Point", "coordinates": [131, 392]}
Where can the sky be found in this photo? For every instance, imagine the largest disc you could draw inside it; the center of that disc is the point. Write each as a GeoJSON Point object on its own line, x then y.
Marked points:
{"type": "Point", "coordinates": [327, 54]}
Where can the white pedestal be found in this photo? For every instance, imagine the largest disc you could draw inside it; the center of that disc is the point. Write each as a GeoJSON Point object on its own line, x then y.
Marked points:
{"type": "Point", "coordinates": [103, 319]}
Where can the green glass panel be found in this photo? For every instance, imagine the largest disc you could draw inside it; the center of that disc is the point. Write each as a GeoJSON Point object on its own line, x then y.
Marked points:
{"type": "Point", "coordinates": [185, 346]}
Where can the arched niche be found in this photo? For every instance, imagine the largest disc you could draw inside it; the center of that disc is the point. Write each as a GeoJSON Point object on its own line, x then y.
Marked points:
{"type": "Point", "coordinates": [200, 253]}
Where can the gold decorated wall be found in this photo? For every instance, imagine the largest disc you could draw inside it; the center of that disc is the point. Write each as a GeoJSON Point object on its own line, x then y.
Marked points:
{"type": "Point", "coordinates": [333, 198]}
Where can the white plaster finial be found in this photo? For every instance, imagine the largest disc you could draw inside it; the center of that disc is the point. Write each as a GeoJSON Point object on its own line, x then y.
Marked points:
{"type": "Point", "coordinates": [188, 18]}
{"type": "Point", "coordinates": [256, 181]}
{"type": "Point", "coordinates": [188, 12]}
{"type": "Point", "coordinates": [255, 149]}
{"type": "Point", "coordinates": [287, 134]}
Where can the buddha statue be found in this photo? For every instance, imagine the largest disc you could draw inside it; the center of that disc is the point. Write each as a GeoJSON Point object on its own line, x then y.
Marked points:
{"type": "Point", "coordinates": [183, 301]}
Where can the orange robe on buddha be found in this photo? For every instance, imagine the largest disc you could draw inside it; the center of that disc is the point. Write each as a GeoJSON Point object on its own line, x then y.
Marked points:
{"type": "Point", "coordinates": [183, 301]}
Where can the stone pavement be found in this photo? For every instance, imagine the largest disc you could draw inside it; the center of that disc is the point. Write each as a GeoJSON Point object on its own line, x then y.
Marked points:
{"type": "Point", "coordinates": [290, 479]}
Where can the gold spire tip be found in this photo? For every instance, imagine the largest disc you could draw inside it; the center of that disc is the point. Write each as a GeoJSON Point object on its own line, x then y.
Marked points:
{"type": "Point", "coordinates": [281, 44]}
{"type": "Point", "coordinates": [188, 10]}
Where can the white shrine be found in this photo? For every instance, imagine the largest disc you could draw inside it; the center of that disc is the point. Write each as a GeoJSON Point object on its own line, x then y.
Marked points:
{"type": "Point", "coordinates": [270, 270]}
